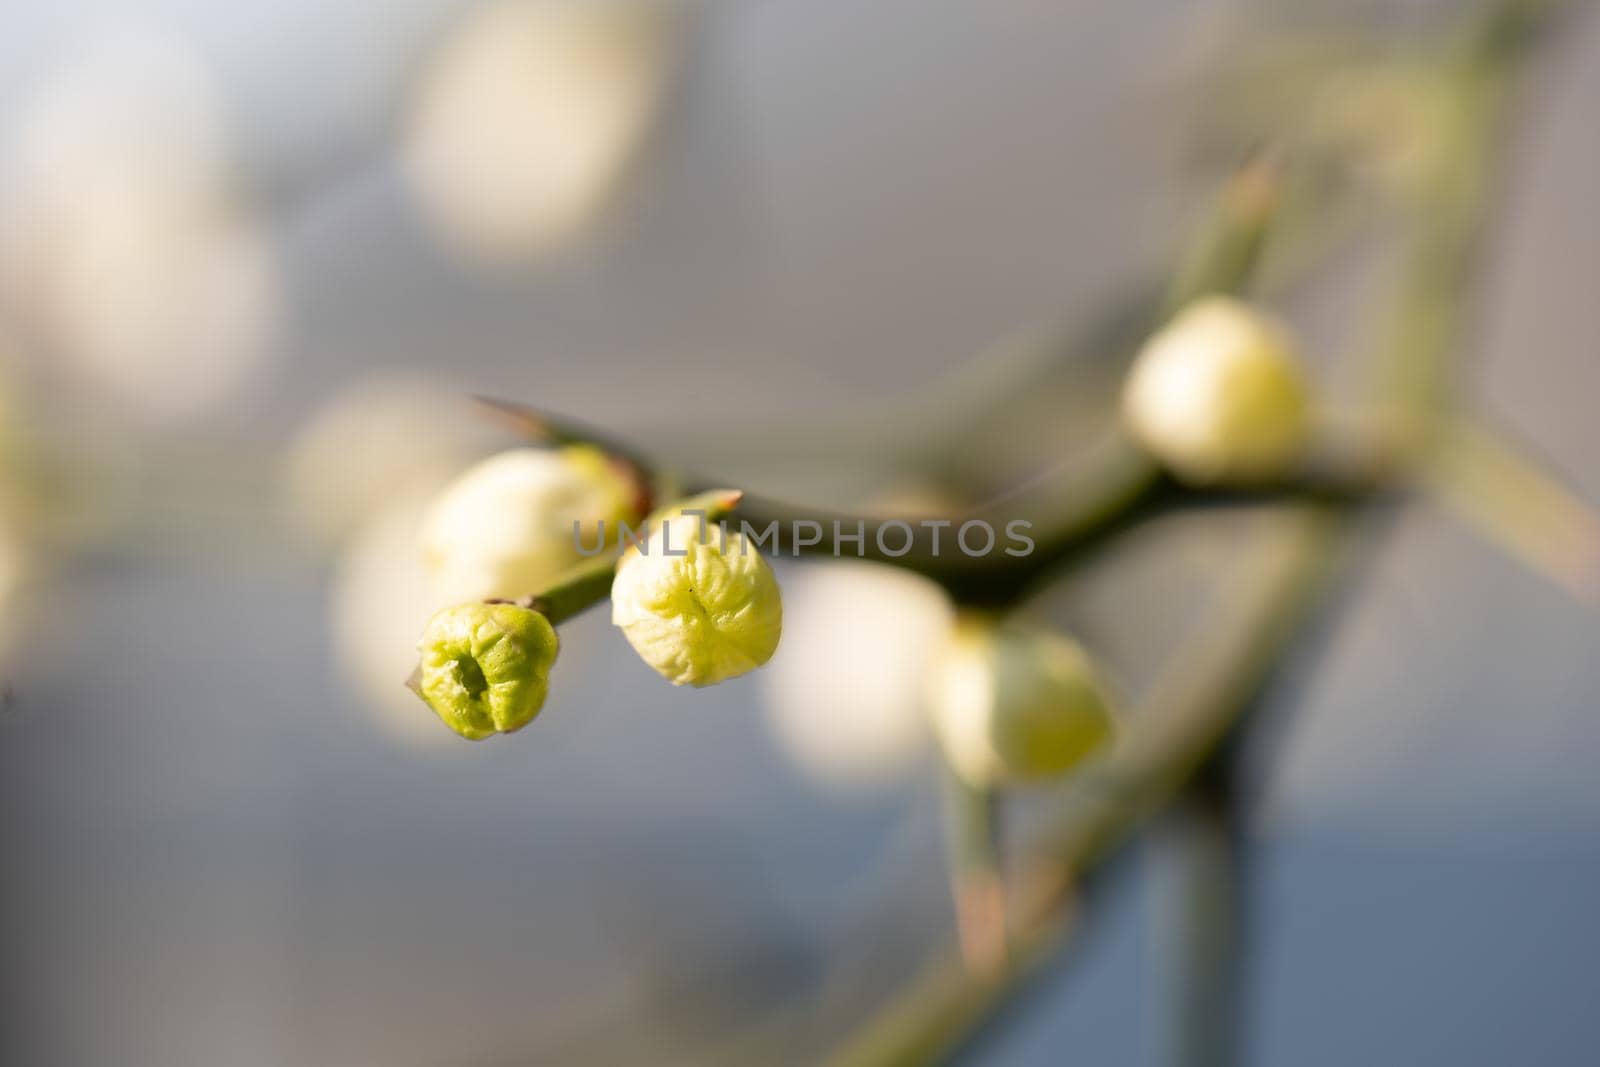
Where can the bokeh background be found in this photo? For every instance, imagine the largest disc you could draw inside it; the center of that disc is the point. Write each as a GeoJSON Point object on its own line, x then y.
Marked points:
{"type": "Point", "coordinates": [255, 258]}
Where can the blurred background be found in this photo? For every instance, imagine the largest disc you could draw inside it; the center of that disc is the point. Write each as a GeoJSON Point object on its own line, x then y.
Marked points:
{"type": "Point", "coordinates": [254, 260]}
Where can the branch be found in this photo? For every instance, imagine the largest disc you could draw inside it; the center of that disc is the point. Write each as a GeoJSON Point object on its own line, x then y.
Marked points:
{"type": "Point", "coordinates": [977, 878]}
{"type": "Point", "coordinates": [1192, 707]}
{"type": "Point", "coordinates": [1497, 488]}
{"type": "Point", "coordinates": [1072, 508]}
{"type": "Point", "coordinates": [1201, 698]}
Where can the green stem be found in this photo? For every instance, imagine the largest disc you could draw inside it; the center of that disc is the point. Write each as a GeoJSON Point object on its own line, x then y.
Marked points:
{"type": "Point", "coordinates": [589, 582]}
{"type": "Point", "coordinates": [576, 591]}
{"type": "Point", "coordinates": [1068, 519]}
{"type": "Point", "coordinates": [1200, 699]}
{"type": "Point", "coordinates": [1130, 495]}
{"type": "Point", "coordinates": [977, 884]}
{"type": "Point", "coordinates": [1075, 507]}
{"type": "Point", "coordinates": [1072, 508]}
{"type": "Point", "coordinates": [1191, 708]}
{"type": "Point", "coordinates": [1196, 858]}
{"type": "Point", "coordinates": [1228, 248]}
{"type": "Point", "coordinates": [1493, 484]}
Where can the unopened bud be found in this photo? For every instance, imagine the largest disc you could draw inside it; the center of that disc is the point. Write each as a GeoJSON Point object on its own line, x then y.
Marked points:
{"type": "Point", "coordinates": [485, 668]}
{"type": "Point", "coordinates": [698, 604]}
{"type": "Point", "coordinates": [1015, 704]}
{"type": "Point", "coordinates": [1218, 396]}
{"type": "Point", "coordinates": [513, 523]}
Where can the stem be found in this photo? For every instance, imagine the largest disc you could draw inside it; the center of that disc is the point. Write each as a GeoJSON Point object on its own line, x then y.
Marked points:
{"type": "Point", "coordinates": [1197, 861]}
{"type": "Point", "coordinates": [1071, 509]}
{"type": "Point", "coordinates": [1122, 485]}
{"type": "Point", "coordinates": [589, 582]}
{"type": "Point", "coordinates": [1074, 511]}
{"type": "Point", "coordinates": [1075, 507]}
{"type": "Point", "coordinates": [1229, 246]}
{"type": "Point", "coordinates": [1501, 491]}
{"type": "Point", "coordinates": [1199, 701]}
{"type": "Point", "coordinates": [579, 589]}
{"type": "Point", "coordinates": [1127, 492]}
{"type": "Point", "coordinates": [1192, 707]}
{"type": "Point", "coordinates": [977, 885]}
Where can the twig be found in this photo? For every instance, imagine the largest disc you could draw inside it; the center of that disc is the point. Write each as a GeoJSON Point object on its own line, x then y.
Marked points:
{"type": "Point", "coordinates": [1196, 871]}
{"type": "Point", "coordinates": [1491, 483]}
{"type": "Point", "coordinates": [977, 884]}
{"type": "Point", "coordinates": [1201, 698]}
{"type": "Point", "coordinates": [1191, 708]}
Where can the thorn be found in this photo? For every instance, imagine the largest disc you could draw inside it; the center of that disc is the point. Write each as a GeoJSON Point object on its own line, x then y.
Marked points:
{"type": "Point", "coordinates": [1509, 495]}
{"type": "Point", "coordinates": [544, 428]}
{"type": "Point", "coordinates": [1253, 191]}
{"type": "Point", "coordinates": [981, 925]}
{"type": "Point", "coordinates": [519, 418]}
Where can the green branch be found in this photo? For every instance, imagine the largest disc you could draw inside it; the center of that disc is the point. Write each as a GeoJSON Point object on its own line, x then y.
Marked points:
{"type": "Point", "coordinates": [1191, 709]}
{"type": "Point", "coordinates": [1201, 698]}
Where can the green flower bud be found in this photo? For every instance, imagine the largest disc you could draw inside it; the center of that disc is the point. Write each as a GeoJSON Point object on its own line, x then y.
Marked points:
{"type": "Point", "coordinates": [486, 667]}
{"type": "Point", "coordinates": [1218, 396]}
{"type": "Point", "coordinates": [504, 529]}
{"type": "Point", "coordinates": [698, 605]}
{"type": "Point", "coordinates": [1015, 704]}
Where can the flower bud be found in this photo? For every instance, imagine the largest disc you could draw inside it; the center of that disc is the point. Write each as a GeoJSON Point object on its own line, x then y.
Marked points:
{"type": "Point", "coordinates": [486, 667]}
{"type": "Point", "coordinates": [505, 528]}
{"type": "Point", "coordinates": [528, 116]}
{"type": "Point", "coordinates": [699, 605]}
{"type": "Point", "coordinates": [1014, 704]}
{"type": "Point", "coordinates": [1218, 396]}
{"type": "Point", "coordinates": [844, 696]}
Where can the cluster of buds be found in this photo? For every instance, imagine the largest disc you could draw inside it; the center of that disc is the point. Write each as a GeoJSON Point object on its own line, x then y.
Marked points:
{"type": "Point", "coordinates": [531, 528]}
{"type": "Point", "coordinates": [1217, 397]}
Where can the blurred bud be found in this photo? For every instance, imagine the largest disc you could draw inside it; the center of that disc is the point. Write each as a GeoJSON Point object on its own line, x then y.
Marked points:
{"type": "Point", "coordinates": [362, 450]}
{"type": "Point", "coordinates": [1013, 704]}
{"type": "Point", "coordinates": [505, 528]}
{"type": "Point", "coordinates": [380, 598]}
{"type": "Point", "coordinates": [844, 694]}
{"type": "Point", "coordinates": [528, 116]}
{"type": "Point", "coordinates": [485, 668]}
{"type": "Point", "coordinates": [124, 238]}
{"type": "Point", "coordinates": [1218, 395]}
{"type": "Point", "coordinates": [698, 605]}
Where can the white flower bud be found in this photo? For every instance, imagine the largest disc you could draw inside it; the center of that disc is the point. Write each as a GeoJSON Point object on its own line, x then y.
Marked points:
{"type": "Point", "coordinates": [505, 527]}
{"type": "Point", "coordinates": [698, 605]}
{"type": "Point", "coordinates": [1014, 704]}
{"type": "Point", "coordinates": [361, 452]}
{"type": "Point", "coordinates": [1218, 396]}
{"type": "Point", "coordinates": [844, 696]}
{"type": "Point", "coordinates": [528, 116]}
{"type": "Point", "coordinates": [127, 243]}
